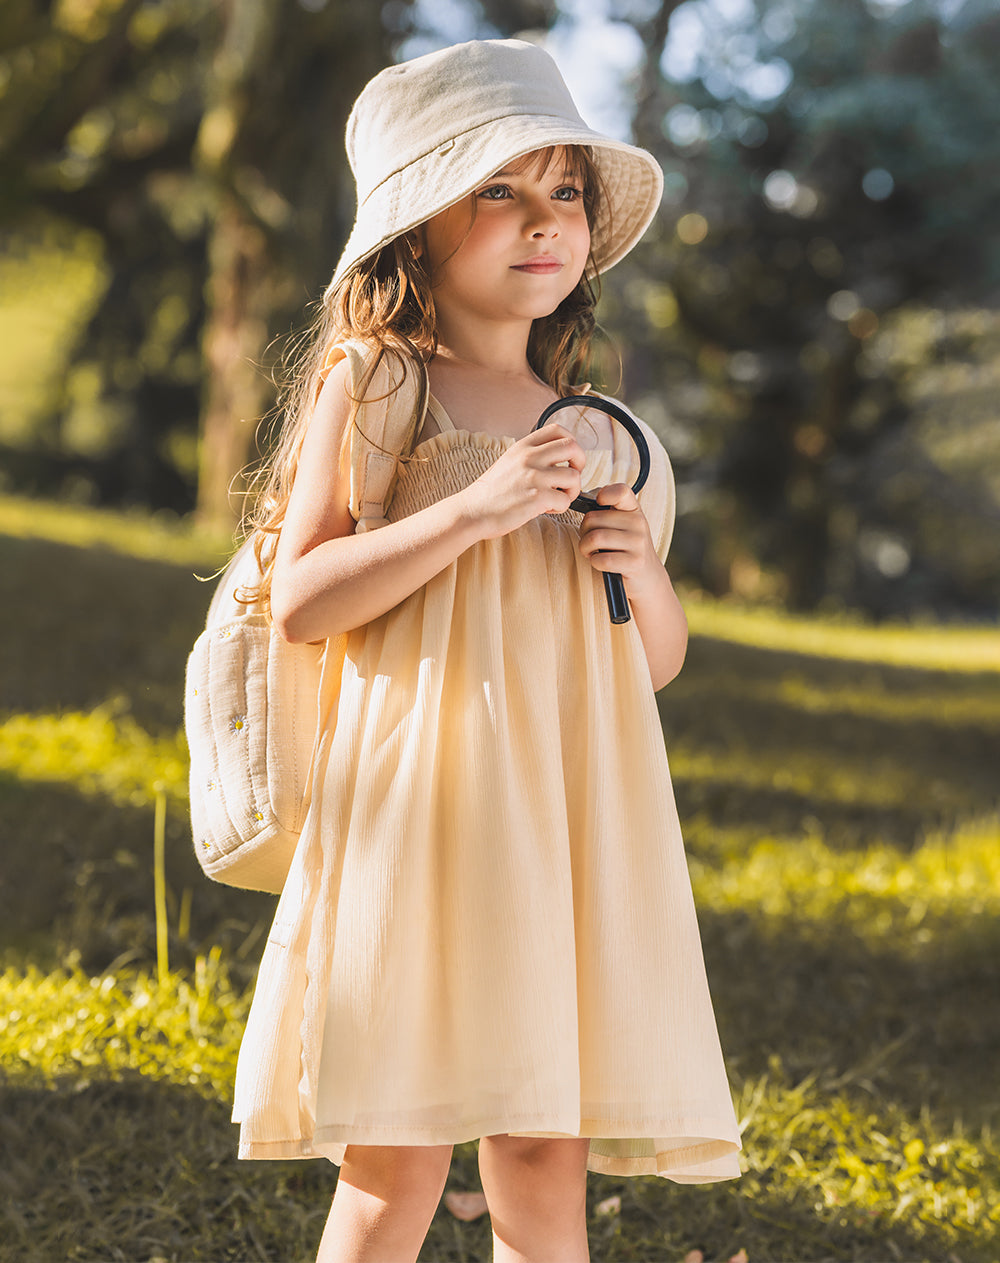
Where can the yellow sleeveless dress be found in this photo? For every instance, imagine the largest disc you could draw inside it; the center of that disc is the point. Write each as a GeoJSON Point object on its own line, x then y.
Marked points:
{"type": "Point", "coordinates": [488, 926]}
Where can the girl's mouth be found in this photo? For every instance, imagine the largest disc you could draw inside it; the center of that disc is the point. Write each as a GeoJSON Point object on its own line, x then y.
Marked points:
{"type": "Point", "coordinates": [544, 265]}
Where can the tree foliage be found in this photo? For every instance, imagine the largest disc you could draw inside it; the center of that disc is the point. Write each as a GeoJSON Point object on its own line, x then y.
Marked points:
{"type": "Point", "coordinates": [833, 171]}
{"type": "Point", "coordinates": [800, 220]}
{"type": "Point", "coordinates": [203, 143]}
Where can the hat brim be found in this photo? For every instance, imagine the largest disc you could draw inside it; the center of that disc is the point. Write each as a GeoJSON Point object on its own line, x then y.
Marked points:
{"type": "Point", "coordinates": [632, 180]}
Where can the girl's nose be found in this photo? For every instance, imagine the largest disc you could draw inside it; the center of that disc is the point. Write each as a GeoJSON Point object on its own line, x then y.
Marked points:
{"type": "Point", "coordinates": [541, 220]}
{"type": "Point", "coordinates": [543, 226]}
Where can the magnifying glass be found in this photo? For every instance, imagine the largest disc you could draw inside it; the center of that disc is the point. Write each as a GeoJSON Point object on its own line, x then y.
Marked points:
{"type": "Point", "coordinates": [616, 451]}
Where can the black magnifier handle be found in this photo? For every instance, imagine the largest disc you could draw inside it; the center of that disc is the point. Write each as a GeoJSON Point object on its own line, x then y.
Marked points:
{"type": "Point", "coordinates": [614, 584]}
{"type": "Point", "coordinates": [614, 590]}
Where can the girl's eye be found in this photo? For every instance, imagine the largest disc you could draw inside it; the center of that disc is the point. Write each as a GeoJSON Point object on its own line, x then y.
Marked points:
{"type": "Point", "coordinates": [568, 193]}
{"type": "Point", "coordinates": [494, 192]}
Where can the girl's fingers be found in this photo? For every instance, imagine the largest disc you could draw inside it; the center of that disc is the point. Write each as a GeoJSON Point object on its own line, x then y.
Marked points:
{"type": "Point", "coordinates": [621, 518]}
{"type": "Point", "coordinates": [538, 474]}
{"type": "Point", "coordinates": [556, 446]}
{"type": "Point", "coordinates": [618, 529]}
{"type": "Point", "coordinates": [611, 562]}
{"type": "Point", "coordinates": [617, 495]}
{"type": "Point", "coordinates": [608, 541]}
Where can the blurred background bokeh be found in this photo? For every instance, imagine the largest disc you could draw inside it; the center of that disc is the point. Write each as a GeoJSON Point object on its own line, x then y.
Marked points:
{"type": "Point", "coordinates": [811, 324]}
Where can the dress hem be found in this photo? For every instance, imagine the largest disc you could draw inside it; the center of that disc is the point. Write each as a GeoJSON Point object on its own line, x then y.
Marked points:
{"type": "Point", "coordinates": [695, 1157]}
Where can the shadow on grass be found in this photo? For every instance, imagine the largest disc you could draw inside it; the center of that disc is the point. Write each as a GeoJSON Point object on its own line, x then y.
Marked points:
{"type": "Point", "coordinates": [770, 812]}
{"type": "Point", "coordinates": [129, 1170]}
{"type": "Point", "coordinates": [78, 877]}
{"type": "Point", "coordinates": [734, 665]}
{"type": "Point", "coordinates": [137, 1169]}
{"type": "Point", "coordinates": [912, 1022]}
{"type": "Point", "coordinates": [94, 624]}
{"type": "Point", "coordinates": [899, 776]}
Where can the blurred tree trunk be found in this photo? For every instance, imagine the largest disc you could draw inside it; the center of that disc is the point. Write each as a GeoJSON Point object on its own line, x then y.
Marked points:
{"type": "Point", "coordinates": [234, 339]}
{"type": "Point", "coordinates": [235, 332]}
{"type": "Point", "coordinates": [652, 92]}
{"type": "Point", "coordinates": [271, 145]}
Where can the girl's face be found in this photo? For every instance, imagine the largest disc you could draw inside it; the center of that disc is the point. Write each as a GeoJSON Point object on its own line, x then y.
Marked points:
{"type": "Point", "coordinates": [514, 249]}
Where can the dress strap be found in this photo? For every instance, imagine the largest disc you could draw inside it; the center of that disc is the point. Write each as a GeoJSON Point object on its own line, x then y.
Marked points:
{"type": "Point", "coordinates": [441, 418]}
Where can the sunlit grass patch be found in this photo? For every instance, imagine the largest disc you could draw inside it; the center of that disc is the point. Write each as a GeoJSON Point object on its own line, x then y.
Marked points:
{"type": "Point", "coordinates": [97, 753]}
{"type": "Point", "coordinates": [861, 1161]}
{"type": "Point", "coordinates": [930, 648]}
{"type": "Point", "coordinates": [877, 892]}
{"type": "Point", "coordinates": [156, 537]}
{"type": "Point", "coordinates": [180, 1030]}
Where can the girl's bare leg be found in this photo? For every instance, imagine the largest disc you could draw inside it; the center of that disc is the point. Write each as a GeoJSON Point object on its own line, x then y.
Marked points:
{"type": "Point", "coordinates": [536, 1191]}
{"type": "Point", "coordinates": [384, 1203]}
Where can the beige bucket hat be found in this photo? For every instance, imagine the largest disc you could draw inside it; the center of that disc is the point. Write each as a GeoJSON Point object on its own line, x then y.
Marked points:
{"type": "Point", "coordinates": [426, 133]}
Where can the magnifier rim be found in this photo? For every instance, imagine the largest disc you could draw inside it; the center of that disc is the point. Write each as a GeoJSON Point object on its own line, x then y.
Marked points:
{"type": "Point", "coordinates": [583, 503]}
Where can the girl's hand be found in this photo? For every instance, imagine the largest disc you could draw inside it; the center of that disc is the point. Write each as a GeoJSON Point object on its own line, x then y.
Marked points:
{"type": "Point", "coordinates": [616, 538]}
{"type": "Point", "coordinates": [538, 474]}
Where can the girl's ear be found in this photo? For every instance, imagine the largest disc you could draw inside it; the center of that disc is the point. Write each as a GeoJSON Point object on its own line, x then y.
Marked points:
{"type": "Point", "coordinates": [415, 240]}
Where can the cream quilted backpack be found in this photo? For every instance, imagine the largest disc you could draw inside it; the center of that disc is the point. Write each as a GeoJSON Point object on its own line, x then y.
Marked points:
{"type": "Point", "coordinates": [251, 699]}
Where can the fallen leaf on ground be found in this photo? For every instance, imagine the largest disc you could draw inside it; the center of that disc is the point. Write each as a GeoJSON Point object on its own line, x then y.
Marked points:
{"type": "Point", "coordinates": [466, 1206]}
{"type": "Point", "coordinates": [610, 1206]}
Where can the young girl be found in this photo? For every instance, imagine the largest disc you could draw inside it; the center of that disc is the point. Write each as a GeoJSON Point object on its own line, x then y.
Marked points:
{"type": "Point", "coordinates": [487, 931]}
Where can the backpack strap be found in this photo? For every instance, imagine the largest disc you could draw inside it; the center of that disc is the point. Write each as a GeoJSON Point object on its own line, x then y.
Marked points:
{"type": "Point", "coordinates": [387, 420]}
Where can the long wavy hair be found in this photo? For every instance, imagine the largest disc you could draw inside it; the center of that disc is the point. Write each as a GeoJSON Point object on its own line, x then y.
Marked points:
{"type": "Point", "coordinates": [387, 301]}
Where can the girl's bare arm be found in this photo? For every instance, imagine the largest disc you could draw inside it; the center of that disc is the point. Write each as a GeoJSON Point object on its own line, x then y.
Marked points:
{"type": "Point", "coordinates": [328, 580]}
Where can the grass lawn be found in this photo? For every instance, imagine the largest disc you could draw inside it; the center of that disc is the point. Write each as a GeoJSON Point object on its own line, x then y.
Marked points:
{"type": "Point", "coordinates": [840, 794]}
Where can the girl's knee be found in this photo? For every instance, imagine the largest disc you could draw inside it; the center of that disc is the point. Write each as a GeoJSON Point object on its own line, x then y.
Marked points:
{"type": "Point", "coordinates": [536, 1190]}
{"type": "Point", "coordinates": [545, 1159]}
{"type": "Point", "coordinates": [397, 1173]}
{"type": "Point", "coordinates": [386, 1197]}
